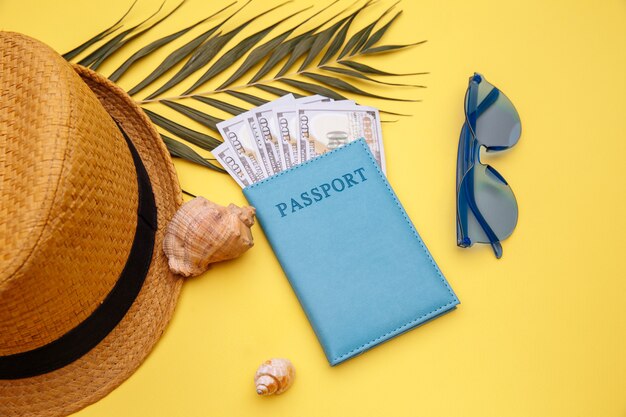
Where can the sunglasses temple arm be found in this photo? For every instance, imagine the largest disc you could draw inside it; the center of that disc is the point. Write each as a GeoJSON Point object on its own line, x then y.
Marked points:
{"type": "Point", "coordinates": [486, 103]}
{"type": "Point", "coordinates": [471, 148]}
{"type": "Point", "coordinates": [497, 249]}
{"type": "Point", "coordinates": [462, 166]}
{"type": "Point", "coordinates": [467, 186]}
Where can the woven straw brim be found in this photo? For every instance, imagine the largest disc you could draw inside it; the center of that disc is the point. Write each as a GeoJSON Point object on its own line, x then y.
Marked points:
{"type": "Point", "coordinates": [97, 373]}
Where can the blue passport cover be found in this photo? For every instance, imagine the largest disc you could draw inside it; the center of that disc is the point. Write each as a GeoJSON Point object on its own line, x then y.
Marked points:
{"type": "Point", "coordinates": [354, 259]}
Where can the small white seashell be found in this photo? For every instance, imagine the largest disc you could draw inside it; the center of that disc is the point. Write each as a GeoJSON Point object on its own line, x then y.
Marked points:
{"type": "Point", "coordinates": [274, 376]}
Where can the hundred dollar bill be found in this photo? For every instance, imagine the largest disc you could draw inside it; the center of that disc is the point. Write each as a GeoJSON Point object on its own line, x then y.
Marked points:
{"type": "Point", "coordinates": [264, 146]}
{"type": "Point", "coordinates": [301, 142]}
{"type": "Point", "coordinates": [237, 134]}
{"type": "Point", "coordinates": [327, 126]}
{"type": "Point", "coordinates": [227, 156]}
{"type": "Point", "coordinates": [268, 132]}
{"type": "Point", "coordinates": [286, 122]}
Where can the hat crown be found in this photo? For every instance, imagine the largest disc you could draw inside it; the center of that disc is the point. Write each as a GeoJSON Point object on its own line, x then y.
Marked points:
{"type": "Point", "coordinates": [68, 197]}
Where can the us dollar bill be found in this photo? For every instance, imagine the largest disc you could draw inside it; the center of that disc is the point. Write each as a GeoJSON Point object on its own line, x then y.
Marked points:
{"type": "Point", "coordinates": [267, 131]}
{"type": "Point", "coordinates": [265, 147]}
{"type": "Point", "coordinates": [227, 157]}
{"type": "Point", "coordinates": [327, 126]}
{"type": "Point", "coordinates": [286, 122]}
{"type": "Point", "coordinates": [237, 134]}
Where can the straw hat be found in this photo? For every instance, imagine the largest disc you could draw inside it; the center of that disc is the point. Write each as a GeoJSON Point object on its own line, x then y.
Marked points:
{"type": "Point", "coordinates": [86, 190]}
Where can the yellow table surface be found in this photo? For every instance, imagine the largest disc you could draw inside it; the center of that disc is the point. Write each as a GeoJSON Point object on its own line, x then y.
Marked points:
{"type": "Point", "coordinates": [541, 332]}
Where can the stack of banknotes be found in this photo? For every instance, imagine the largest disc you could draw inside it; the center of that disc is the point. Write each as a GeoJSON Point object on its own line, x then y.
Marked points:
{"type": "Point", "coordinates": [289, 131]}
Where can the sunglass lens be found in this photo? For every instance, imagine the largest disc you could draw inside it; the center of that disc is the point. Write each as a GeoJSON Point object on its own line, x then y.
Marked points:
{"type": "Point", "coordinates": [487, 209]}
{"type": "Point", "coordinates": [495, 121]}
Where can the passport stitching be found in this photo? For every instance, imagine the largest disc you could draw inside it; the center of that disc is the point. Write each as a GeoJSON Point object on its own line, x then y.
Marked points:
{"type": "Point", "coordinates": [432, 261]}
{"type": "Point", "coordinates": [392, 332]}
{"type": "Point", "coordinates": [406, 218]}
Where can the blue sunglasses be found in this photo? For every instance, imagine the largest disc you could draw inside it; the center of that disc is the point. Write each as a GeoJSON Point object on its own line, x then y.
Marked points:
{"type": "Point", "coordinates": [486, 206]}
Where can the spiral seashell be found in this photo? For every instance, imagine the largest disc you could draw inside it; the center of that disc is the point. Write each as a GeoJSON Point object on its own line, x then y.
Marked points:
{"type": "Point", "coordinates": [202, 232]}
{"type": "Point", "coordinates": [274, 376]}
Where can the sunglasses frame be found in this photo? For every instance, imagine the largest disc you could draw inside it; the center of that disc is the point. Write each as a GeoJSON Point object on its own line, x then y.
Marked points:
{"type": "Point", "coordinates": [468, 156]}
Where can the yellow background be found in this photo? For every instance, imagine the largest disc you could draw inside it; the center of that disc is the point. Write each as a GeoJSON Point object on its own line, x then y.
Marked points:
{"type": "Point", "coordinates": [541, 332]}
